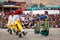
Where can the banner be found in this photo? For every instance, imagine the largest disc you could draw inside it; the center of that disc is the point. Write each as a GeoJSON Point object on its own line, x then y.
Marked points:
{"type": "Point", "coordinates": [42, 12]}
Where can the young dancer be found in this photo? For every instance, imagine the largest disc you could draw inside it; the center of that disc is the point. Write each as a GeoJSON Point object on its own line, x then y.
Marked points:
{"type": "Point", "coordinates": [18, 24]}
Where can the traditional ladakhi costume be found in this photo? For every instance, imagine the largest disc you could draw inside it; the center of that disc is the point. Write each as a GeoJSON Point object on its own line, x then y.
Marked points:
{"type": "Point", "coordinates": [44, 26]}
{"type": "Point", "coordinates": [37, 26]}
{"type": "Point", "coordinates": [17, 23]}
{"type": "Point", "coordinates": [10, 18]}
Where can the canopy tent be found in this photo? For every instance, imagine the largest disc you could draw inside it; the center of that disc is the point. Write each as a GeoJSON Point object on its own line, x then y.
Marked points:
{"type": "Point", "coordinates": [30, 8]}
{"type": "Point", "coordinates": [33, 8]}
{"type": "Point", "coordinates": [1, 1]}
{"type": "Point", "coordinates": [43, 8]}
{"type": "Point", "coordinates": [52, 7]}
{"type": "Point", "coordinates": [47, 7]}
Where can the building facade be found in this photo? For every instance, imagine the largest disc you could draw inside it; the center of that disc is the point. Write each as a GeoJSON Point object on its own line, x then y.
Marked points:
{"type": "Point", "coordinates": [45, 2]}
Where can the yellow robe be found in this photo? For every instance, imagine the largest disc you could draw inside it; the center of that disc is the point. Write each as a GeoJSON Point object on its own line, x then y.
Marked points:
{"type": "Point", "coordinates": [17, 23]}
{"type": "Point", "coordinates": [9, 24]}
{"type": "Point", "coordinates": [10, 18]}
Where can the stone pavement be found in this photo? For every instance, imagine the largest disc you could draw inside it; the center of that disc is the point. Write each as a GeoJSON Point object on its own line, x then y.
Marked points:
{"type": "Point", "coordinates": [54, 34]}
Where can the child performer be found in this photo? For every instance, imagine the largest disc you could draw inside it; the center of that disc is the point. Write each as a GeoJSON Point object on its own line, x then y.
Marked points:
{"type": "Point", "coordinates": [37, 26]}
{"type": "Point", "coordinates": [17, 23]}
{"type": "Point", "coordinates": [10, 18]}
{"type": "Point", "coordinates": [45, 27]}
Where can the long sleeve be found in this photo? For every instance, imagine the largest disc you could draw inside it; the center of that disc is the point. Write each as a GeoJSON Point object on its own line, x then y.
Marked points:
{"type": "Point", "coordinates": [10, 18]}
{"type": "Point", "coordinates": [15, 17]}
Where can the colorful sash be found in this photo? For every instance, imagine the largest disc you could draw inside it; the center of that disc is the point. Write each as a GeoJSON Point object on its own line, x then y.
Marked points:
{"type": "Point", "coordinates": [45, 30]}
{"type": "Point", "coordinates": [9, 24]}
{"type": "Point", "coordinates": [17, 25]}
{"type": "Point", "coordinates": [37, 28]}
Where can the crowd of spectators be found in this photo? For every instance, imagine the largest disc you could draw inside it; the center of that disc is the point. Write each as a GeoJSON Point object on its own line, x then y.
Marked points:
{"type": "Point", "coordinates": [28, 20]}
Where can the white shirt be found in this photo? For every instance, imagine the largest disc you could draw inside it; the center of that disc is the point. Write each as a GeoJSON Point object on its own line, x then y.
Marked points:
{"type": "Point", "coordinates": [15, 17]}
{"type": "Point", "coordinates": [30, 18]}
{"type": "Point", "coordinates": [10, 18]}
{"type": "Point", "coordinates": [22, 18]}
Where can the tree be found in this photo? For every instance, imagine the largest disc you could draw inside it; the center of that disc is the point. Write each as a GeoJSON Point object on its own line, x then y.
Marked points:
{"type": "Point", "coordinates": [42, 5]}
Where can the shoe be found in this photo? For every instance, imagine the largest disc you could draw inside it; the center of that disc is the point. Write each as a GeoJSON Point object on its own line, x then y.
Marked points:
{"type": "Point", "coordinates": [17, 33]}
{"type": "Point", "coordinates": [20, 35]}
{"type": "Point", "coordinates": [10, 31]}
{"type": "Point", "coordinates": [24, 33]}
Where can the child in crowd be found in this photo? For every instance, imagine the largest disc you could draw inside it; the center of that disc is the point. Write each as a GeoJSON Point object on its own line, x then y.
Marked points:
{"type": "Point", "coordinates": [37, 26]}
{"type": "Point", "coordinates": [44, 27]}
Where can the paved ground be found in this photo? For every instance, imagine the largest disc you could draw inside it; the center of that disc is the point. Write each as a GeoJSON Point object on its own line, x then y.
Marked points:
{"type": "Point", "coordinates": [54, 34]}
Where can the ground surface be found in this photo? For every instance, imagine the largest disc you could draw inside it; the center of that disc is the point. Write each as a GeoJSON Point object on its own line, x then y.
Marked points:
{"type": "Point", "coordinates": [54, 34]}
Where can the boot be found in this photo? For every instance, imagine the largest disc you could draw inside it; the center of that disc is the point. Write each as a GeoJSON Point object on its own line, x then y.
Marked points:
{"type": "Point", "coordinates": [20, 35]}
{"type": "Point", "coordinates": [17, 33]}
{"type": "Point", "coordinates": [10, 31]}
{"type": "Point", "coordinates": [24, 33]}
